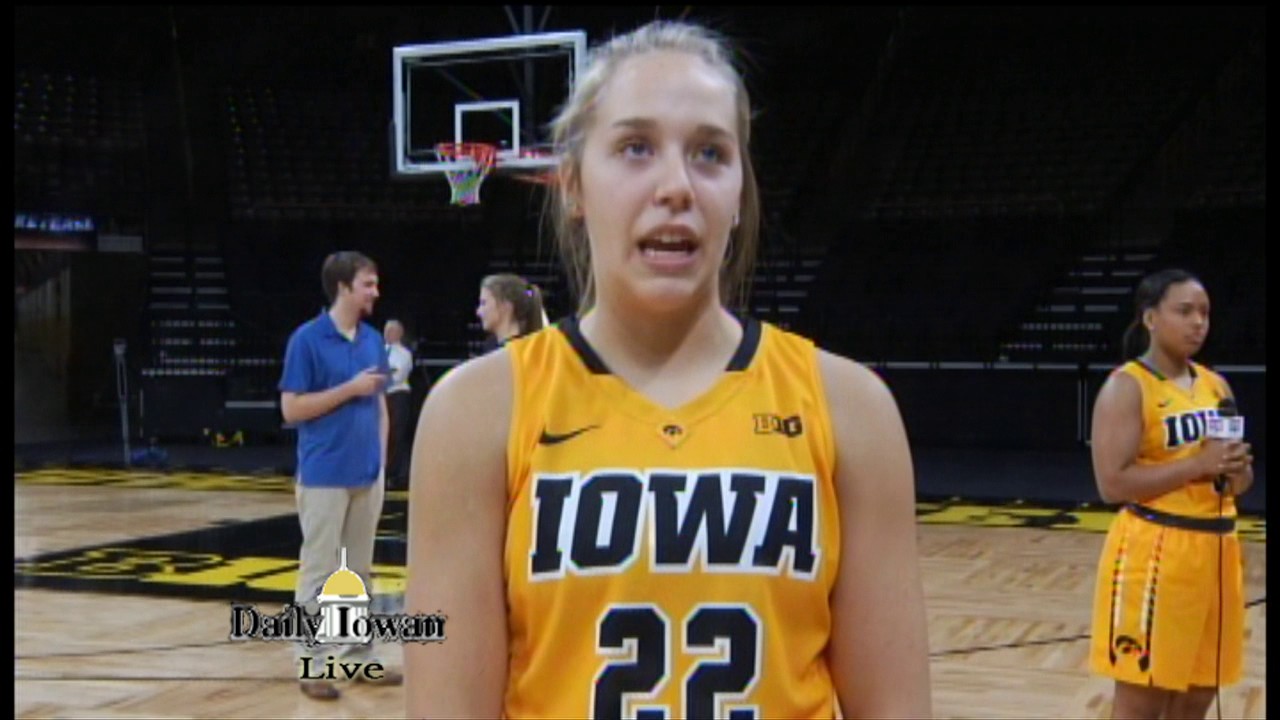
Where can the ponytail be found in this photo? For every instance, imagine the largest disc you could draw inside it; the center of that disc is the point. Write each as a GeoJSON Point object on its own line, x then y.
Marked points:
{"type": "Point", "coordinates": [529, 312]}
{"type": "Point", "coordinates": [1135, 341]}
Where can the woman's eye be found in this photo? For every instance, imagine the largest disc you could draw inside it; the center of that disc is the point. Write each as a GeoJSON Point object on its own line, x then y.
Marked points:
{"type": "Point", "coordinates": [634, 148]}
{"type": "Point", "coordinates": [710, 153]}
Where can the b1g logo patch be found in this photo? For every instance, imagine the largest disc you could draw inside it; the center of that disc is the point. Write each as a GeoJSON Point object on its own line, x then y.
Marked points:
{"type": "Point", "coordinates": [770, 424]}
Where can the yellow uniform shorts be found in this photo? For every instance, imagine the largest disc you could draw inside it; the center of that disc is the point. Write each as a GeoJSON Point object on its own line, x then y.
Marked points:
{"type": "Point", "coordinates": [1156, 606]}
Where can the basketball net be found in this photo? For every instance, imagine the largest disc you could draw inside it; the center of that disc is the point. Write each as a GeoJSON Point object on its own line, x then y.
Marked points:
{"type": "Point", "coordinates": [465, 183]}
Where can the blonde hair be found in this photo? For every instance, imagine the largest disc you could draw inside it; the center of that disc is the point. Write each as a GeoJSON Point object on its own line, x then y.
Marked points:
{"type": "Point", "coordinates": [569, 129]}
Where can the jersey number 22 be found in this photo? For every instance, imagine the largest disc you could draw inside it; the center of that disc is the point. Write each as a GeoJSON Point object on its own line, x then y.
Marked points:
{"type": "Point", "coordinates": [641, 633]}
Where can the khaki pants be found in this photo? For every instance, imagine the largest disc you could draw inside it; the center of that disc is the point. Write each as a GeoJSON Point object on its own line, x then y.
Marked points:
{"type": "Point", "coordinates": [331, 519]}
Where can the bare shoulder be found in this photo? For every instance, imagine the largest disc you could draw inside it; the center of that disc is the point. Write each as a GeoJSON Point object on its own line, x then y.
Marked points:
{"type": "Point", "coordinates": [1120, 391]}
{"type": "Point", "coordinates": [855, 394]}
{"type": "Point", "coordinates": [459, 452]}
{"type": "Point", "coordinates": [472, 403]}
{"type": "Point", "coordinates": [873, 459]}
{"type": "Point", "coordinates": [476, 374]}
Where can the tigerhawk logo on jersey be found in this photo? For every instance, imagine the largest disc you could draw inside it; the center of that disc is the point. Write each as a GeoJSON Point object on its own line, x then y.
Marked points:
{"type": "Point", "coordinates": [729, 520]}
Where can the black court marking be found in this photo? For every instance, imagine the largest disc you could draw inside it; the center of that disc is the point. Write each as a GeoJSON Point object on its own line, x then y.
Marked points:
{"type": "Point", "coordinates": [252, 561]}
{"type": "Point", "coordinates": [257, 560]}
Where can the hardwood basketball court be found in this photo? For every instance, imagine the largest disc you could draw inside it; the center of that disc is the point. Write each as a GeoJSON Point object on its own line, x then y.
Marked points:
{"type": "Point", "coordinates": [122, 604]}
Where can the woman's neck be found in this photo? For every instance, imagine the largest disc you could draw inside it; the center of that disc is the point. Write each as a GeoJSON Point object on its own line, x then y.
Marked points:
{"type": "Point", "coordinates": [633, 344]}
{"type": "Point", "coordinates": [1171, 367]}
{"type": "Point", "coordinates": [506, 330]}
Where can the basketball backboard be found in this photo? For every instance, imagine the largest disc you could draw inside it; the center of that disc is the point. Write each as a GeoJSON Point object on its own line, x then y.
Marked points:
{"type": "Point", "coordinates": [503, 91]}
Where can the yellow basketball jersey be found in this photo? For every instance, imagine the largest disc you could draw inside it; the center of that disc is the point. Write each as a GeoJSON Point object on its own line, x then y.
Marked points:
{"type": "Point", "coordinates": [669, 563]}
{"type": "Point", "coordinates": [1173, 425]}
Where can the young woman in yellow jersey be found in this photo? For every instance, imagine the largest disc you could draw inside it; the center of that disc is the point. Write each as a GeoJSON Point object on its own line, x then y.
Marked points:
{"type": "Point", "coordinates": [1156, 606]}
{"type": "Point", "coordinates": [657, 508]}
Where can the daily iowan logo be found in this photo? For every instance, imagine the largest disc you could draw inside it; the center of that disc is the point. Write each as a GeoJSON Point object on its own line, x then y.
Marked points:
{"type": "Point", "coordinates": [342, 617]}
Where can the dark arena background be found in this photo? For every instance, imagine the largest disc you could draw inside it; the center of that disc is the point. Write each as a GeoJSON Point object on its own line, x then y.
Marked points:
{"type": "Point", "coordinates": [962, 199]}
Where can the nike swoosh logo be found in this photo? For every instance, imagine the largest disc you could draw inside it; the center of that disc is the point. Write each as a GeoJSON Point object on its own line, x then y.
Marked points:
{"type": "Point", "coordinates": [549, 439]}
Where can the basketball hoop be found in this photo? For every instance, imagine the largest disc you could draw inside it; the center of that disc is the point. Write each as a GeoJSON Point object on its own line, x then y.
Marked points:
{"type": "Point", "coordinates": [465, 183]}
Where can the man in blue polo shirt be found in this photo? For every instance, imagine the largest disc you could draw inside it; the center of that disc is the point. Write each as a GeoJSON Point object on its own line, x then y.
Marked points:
{"type": "Point", "coordinates": [335, 373]}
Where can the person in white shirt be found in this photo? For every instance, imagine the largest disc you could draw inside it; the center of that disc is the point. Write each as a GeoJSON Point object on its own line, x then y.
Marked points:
{"type": "Point", "coordinates": [399, 406]}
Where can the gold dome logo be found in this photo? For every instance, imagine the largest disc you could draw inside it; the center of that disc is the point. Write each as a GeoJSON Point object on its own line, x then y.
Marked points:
{"type": "Point", "coordinates": [344, 584]}
{"type": "Point", "coordinates": [344, 607]}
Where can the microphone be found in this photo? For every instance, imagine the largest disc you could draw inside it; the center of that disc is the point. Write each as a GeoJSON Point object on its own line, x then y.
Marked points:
{"type": "Point", "coordinates": [1228, 426]}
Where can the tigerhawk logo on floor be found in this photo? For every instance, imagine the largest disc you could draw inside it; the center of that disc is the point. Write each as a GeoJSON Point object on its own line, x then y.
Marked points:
{"type": "Point", "coordinates": [339, 616]}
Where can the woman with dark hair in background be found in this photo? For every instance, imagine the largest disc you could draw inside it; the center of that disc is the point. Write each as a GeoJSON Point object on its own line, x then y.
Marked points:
{"type": "Point", "coordinates": [1168, 622]}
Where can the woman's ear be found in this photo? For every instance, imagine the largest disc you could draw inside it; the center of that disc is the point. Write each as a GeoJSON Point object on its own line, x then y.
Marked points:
{"type": "Point", "coordinates": [571, 190]}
